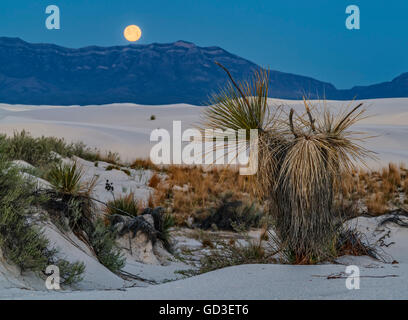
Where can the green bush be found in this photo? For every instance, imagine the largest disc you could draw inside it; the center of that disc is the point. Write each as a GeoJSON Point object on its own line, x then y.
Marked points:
{"type": "Point", "coordinates": [70, 273]}
{"type": "Point", "coordinates": [103, 241]}
{"type": "Point", "coordinates": [41, 151]}
{"type": "Point", "coordinates": [22, 243]}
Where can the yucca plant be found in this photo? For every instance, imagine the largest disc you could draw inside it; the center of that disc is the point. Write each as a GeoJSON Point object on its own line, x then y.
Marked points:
{"type": "Point", "coordinates": [301, 158]}
{"type": "Point", "coordinates": [66, 178]}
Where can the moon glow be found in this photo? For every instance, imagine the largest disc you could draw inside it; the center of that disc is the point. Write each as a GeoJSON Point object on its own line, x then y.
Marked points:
{"type": "Point", "coordinates": [132, 33]}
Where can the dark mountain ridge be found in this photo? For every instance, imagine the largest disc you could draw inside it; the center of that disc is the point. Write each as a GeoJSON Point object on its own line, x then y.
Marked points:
{"type": "Point", "coordinates": [179, 72]}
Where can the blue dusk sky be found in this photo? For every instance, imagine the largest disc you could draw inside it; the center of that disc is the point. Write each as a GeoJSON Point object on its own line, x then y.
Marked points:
{"type": "Point", "coordinates": [303, 37]}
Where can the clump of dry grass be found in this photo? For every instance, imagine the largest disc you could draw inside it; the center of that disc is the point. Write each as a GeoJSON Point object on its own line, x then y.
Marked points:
{"type": "Point", "coordinates": [109, 157]}
{"type": "Point", "coordinates": [127, 203]}
{"type": "Point", "coordinates": [301, 160]}
{"type": "Point", "coordinates": [376, 203]}
{"type": "Point", "coordinates": [154, 181]}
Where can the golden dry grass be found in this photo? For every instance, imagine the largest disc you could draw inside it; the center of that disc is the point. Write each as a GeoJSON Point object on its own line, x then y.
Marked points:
{"type": "Point", "coordinates": [380, 191]}
{"type": "Point", "coordinates": [154, 181]}
{"type": "Point", "coordinates": [187, 190]}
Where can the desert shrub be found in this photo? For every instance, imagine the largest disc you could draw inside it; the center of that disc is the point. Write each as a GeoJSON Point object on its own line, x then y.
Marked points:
{"type": "Point", "coordinates": [70, 273]}
{"type": "Point", "coordinates": [301, 160]}
{"type": "Point", "coordinates": [23, 243]}
{"type": "Point", "coordinates": [103, 242]}
{"type": "Point", "coordinates": [41, 151]}
{"type": "Point", "coordinates": [123, 205]}
{"type": "Point", "coordinates": [153, 117]}
{"type": "Point", "coordinates": [231, 214]}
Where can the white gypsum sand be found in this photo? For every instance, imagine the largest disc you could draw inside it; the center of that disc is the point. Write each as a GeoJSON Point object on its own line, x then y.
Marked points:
{"type": "Point", "coordinates": [126, 128]}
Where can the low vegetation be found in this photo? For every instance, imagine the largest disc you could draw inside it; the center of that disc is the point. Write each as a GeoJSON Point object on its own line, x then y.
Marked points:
{"type": "Point", "coordinates": [71, 200]}
{"type": "Point", "coordinates": [189, 192]}
{"type": "Point", "coordinates": [226, 254]}
{"type": "Point", "coordinates": [42, 151]}
{"type": "Point", "coordinates": [124, 205]}
{"type": "Point", "coordinates": [232, 214]}
{"type": "Point", "coordinates": [379, 191]}
{"type": "Point", "coordinates": [21, 241]}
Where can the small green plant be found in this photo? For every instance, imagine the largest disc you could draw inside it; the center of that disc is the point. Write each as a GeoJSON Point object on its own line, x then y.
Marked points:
{"type": "Point", "coordinates": [104, 244]}
{"type": "Point", "coordinates": [66, 178]}
{"type": "Point", "coordinates": [152, 117]}
{"type": "Point", "coordinates": [167, 221]}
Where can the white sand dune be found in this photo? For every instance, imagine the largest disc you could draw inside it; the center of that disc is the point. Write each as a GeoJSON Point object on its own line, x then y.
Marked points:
{"type": "Point", "coordinates": [126, 128]}
{"type": "Point", "coordinates": [377, 280]}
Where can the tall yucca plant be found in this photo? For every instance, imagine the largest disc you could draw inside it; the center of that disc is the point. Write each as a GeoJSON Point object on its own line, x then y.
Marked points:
{"type": "Point", "coordinates": [318, 148]}
{"type": "Point", "coordinates": [301, 158]}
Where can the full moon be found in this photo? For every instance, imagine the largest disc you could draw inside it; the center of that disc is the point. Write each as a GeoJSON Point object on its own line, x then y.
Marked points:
{"type": "Point", "coordinates": [132, 33]}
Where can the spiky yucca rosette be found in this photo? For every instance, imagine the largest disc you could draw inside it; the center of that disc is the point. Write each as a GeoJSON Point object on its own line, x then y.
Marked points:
{"type": "Point", "coordinates": [301, 159]}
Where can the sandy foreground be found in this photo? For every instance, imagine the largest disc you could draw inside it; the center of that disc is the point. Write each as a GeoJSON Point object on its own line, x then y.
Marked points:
{"type": "Point", "coordinates": [126, 128]}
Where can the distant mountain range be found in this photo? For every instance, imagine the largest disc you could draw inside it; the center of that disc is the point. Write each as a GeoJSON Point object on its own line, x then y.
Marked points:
{"type": "Point", "coordinates": [179, 72]}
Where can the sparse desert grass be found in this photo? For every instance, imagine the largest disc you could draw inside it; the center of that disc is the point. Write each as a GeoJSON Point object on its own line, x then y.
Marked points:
{"type": "Point", "coordinates": [109, 157]}
{"type": "Point", "coordinates": [380, 191]}
{"type": "Point", "coordinates": [228, 254]}
{"type": "Point", "coordinates": [187, 191]}
{"type": "Point", "coordinates": [145, 164]}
